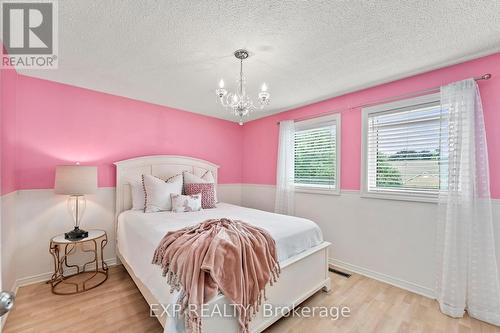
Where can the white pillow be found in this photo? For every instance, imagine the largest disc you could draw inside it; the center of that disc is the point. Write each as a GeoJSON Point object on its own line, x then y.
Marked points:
{"type": "Point", "coordinates": [186, 203]}
{"type": "Point", "coordinates": [137, 191]}
{"type": "Point", "coordinates": [207, 178]}
{"type": "Point", "coordinates": [138, 198]}
{"type": "Point", "coordinates": [157, 192]}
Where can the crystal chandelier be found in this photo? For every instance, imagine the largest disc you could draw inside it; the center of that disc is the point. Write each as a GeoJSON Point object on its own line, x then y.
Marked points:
{"type": "Point", "coordinates": [239, 102]}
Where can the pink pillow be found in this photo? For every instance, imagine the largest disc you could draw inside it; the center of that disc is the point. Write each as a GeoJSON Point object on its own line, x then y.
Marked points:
{"type": "Point", "coordinates": [207, 191]}
{"type": "Point", "coordinates": [207, 177]}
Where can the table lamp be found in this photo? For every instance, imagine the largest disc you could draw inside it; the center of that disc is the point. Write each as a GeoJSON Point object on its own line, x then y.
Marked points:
{"type": "Point", "coordinates": [76, 181]}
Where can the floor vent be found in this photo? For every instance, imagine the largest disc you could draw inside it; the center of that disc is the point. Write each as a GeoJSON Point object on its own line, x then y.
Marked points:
{"type": "Point", "coordinates": [344, 274]}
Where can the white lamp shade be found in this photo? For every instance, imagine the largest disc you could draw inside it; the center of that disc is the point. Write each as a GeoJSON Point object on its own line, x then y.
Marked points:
{"type": "Point", "coordinates": [76, 179]}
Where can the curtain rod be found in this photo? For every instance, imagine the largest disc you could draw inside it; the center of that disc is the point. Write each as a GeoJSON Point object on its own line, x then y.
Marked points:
{"type": "Point", "coordinates": [486, 76]}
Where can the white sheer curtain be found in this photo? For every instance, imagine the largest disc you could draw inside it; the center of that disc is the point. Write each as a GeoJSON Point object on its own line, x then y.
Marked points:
{"type": "Point", "coordinates": [285, 192]}
{"type": "Point", "coordinates": [467, 267]}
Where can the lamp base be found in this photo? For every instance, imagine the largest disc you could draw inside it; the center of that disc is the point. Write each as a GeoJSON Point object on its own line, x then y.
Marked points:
{"type": "Point", "coordinates": [76, 234]}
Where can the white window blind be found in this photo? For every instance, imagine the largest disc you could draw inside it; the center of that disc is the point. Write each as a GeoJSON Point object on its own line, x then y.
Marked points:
{"type": "Point", "coordinates": [403, 149]}
{"type": "Point", "coordinates": [316, 154]}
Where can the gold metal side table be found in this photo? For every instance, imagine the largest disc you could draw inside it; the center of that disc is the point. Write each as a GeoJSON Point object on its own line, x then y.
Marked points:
{"type": "Point", "coordinates": [70, 278]}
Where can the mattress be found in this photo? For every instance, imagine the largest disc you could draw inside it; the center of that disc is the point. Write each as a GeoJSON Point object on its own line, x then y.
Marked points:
{"type": "Point", "coordinates": [139, 234]}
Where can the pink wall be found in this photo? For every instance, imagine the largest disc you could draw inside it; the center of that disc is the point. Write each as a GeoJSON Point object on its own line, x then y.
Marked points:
{"type": "Point", "coordinates": [260, 137]}
{"type": "Point", "coordinates": [45, 124]}
{"type": "Point", "coordinates": [58, 124]}
{"type": "Point", "coordinates": [7, 131]}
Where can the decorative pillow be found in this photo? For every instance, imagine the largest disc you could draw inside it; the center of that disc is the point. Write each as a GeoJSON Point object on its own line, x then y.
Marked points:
{"type": "Point", "coordinates": [137, 192]}
{"type": "Point", "coordinates": [186, 203]}
{"type": "Point", "coordinates": [157, 192]}
{"type": "Point", "coordinates": [207, 193]}
{"type": "Point", "coordinates": [207, 177]}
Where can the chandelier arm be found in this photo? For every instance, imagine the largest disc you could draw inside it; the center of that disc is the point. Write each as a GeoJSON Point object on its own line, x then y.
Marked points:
{"type": "Point", "coordinates": [226, 101]}
{"type": "Point", "coordinates": [223, 100]}
{"type": "Point", "coordinates": [252, 106]}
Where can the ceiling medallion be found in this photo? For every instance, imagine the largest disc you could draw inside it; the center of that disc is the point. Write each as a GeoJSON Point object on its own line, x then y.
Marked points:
{"type": "Point", "coordinates": [239, 103]}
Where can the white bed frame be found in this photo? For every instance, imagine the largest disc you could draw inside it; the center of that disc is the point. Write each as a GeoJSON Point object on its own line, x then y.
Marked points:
{"type": "Point", "coordinates": [301, 276]}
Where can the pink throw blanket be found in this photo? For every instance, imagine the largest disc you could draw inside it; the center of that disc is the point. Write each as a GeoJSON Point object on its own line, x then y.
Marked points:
{"type": "Point", "coordinates": [219, 254]}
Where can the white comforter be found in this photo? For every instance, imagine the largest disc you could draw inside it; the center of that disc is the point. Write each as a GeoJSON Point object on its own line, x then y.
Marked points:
{"type": "Point", "coordinates": [139, 234]}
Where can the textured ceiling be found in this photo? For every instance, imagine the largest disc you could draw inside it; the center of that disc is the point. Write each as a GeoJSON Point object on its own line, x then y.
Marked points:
{"type": "Point", "coordinates": [174, 52]}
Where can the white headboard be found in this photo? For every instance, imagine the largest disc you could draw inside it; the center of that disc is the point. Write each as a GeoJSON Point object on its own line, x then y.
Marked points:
{"type": "Point", "coordinates": [162, 166]}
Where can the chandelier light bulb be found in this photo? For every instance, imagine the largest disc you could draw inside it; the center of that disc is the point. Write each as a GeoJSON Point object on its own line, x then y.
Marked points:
{"type": "Point", "coordinates": [264, 87]}
{"type": "Point", "coordinates": [221, 83]}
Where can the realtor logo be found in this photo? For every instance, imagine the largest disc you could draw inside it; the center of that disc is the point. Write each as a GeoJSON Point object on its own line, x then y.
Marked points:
{"type": "Point", "coordinates": [29, 34]}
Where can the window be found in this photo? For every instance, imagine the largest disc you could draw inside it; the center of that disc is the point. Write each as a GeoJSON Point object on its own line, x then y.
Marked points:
{"type": "Point", "coordinates": [401, 149]}
{"type": "Point", "coordinates": [317, 157]}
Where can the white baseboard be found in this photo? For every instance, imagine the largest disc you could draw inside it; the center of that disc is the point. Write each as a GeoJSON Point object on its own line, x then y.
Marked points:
{"type": "Point", "coordinates": [403, 284]}
{"type": "Point", "coordinates": [25, 281]}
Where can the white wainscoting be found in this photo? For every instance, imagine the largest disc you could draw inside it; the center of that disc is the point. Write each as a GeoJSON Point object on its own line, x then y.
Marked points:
{"type": "Point", "coordinates": [388, 240]}
{"type": "Point", "coordinates": [7, 244]}
{"type": "Point", "coordinates": [8, 240]}
{"type": "Point", "coordinates": [31, 217]}
{"type": "Point", "coordinates": [230, 193]}
{"type": "Point", "coordinates": [41, 214]}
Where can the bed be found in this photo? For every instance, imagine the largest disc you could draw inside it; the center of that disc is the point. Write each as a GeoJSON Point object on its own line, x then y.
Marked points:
{"type": "Point", "coordinates": [302, 252]}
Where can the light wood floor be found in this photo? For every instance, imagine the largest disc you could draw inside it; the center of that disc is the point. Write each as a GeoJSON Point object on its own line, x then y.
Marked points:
{"type": "Point", "coordinates": [117, 306]}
